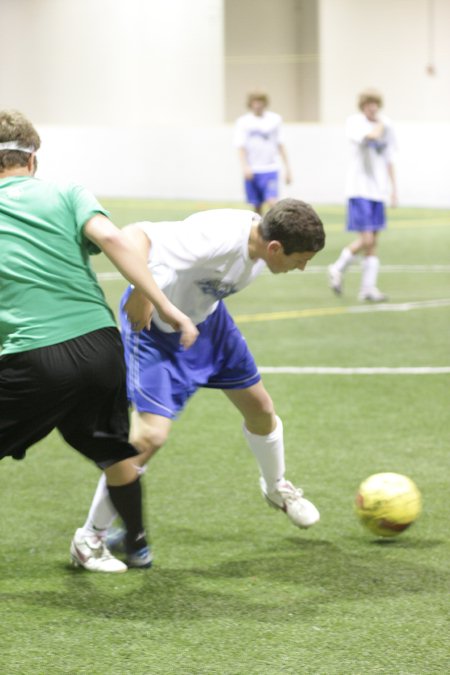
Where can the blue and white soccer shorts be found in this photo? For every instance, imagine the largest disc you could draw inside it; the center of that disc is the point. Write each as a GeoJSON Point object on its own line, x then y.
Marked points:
{"type": "Point", "coordinates": [365, 215]}
{"type": "Point", "coordinates": [261, 188]}
{"type": "Point", "coordinates": [162, 376]}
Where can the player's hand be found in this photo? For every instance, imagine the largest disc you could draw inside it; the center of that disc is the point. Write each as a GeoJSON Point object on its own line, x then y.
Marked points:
{"type": "Point", "coordinates": [180, 323]}
{"type": "Point", "coordinates": [394, 199]}
{"type": "Point", "coordinates": [248, 173]}
{"type": "Point", "coordinates": [376, 132]}
{"type": "Point", "coordinates": [139, 311]}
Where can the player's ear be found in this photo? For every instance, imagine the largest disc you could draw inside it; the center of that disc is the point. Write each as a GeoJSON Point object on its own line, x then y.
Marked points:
{"type": "Point", "coordinates": [275, 246]}
{"type": "Point", "coordinates": [32, 163]}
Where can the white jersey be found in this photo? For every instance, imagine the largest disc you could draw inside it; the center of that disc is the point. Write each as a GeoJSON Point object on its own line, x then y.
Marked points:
{"type": "Point", "coordinates": [260, 136]}
{"type": "Point", "coordinates": [368, 175]}
{"type": "Point", "coordinates": [200, 260]}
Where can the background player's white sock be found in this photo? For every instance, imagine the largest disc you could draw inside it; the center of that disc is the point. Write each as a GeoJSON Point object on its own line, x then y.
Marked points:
{"type": "Point", "coordinates": [269, 453]}
{"type": "Point", "coordinates": [102, 512]}
{"type": "Point", "coordinates": [344, 260]}
{"type": "Point", "coordinates": [370, 268]}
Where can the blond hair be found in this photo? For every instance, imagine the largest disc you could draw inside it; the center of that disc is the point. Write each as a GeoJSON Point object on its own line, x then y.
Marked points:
{"type": "Point", "coordinates": [257, 95]}
{"type": "Point", "coordinates": [14, 126]}
{"type": "Point", "coordinates": [370, 96]}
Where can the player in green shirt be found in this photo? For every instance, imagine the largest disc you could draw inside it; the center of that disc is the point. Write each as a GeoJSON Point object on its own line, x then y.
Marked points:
{"type": "Point", "coordinates": [61, 358]}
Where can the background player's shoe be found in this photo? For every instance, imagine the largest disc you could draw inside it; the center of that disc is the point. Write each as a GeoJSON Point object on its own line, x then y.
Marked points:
{"type": "Point", "coordinates": [141, 559]}
{"type": "Point", "coordinates": [372, 295]}
{"type": "Point", "coordinates": [335, 279]}
{"type": "Point", "coordinates": [290, 499]}
{"type": "Point", "coordinates": [90, 552]}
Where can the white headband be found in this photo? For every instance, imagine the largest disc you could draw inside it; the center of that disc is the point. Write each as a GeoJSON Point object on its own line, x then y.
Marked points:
{"type": "Point", "coordinates": [15, 145]}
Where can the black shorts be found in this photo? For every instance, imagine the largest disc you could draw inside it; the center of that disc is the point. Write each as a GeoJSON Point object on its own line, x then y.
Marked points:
{"type": "Point", "coordinates": [78, 387]}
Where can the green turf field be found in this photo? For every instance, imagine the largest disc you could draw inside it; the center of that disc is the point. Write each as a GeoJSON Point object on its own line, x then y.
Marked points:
{"type": "Point", "coordinates": [236, 589]}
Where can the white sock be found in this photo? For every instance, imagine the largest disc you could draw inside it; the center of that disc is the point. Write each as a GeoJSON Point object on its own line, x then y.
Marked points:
{"type": "Point", "coordinates": [269, 453]}
{"type": "Point", "coordinates": [370, 268]}
{"type": "Point", "coordinates": [344, 260]}
{"type": "Point", "coordinates": [102, 512]}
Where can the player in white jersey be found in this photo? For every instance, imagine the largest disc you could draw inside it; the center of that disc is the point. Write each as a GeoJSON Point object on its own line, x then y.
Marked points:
{"type": "Point", "coordinates": [370, 184]}
{"type": "Point", "coordinates": [197, 263]}
{"type": "Point", "coordinates": [259, 140]}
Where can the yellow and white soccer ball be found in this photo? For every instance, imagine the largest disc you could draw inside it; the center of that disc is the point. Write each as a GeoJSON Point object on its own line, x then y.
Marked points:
{"type": "Point", "coordinates": [388, 503]}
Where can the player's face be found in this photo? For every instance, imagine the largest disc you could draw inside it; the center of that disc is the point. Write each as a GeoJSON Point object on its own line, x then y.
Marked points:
{"type": "Point", "coordinates": [257, 106]}
{"type": "Point", "coordinates": [370, 110]}
{"type": "Point", "coordinates": [280, 263]}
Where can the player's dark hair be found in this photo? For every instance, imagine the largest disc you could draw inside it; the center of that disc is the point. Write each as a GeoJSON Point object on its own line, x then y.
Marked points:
{"type": "Point", "coordinates": [295, 225]}
{"type": "Point", "coordinates": [16, 127]}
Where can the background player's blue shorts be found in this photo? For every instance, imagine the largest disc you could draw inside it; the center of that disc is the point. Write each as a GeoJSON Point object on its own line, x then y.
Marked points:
{"type": "Point", "coordinates": [261, 188]}
{"type": "Point", "coordinates": [365, 215]}
{"type": "Point", "coordinates": [162, 376]}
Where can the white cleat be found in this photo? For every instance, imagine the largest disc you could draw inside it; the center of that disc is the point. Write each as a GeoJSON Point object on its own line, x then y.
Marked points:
{"type": "Point", "coordinates": [90, 552]}
{"type": "Point", "coordinates": [372, 295]}
{"type": "Point", "coordinates": [290, 499]}
{"type": "Point", "coordinates": [335, 279]}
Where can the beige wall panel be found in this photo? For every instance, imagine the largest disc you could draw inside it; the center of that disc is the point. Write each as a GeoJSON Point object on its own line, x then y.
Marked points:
{"type": "Point", "coordinates": [112, 62]}
{"type": "Point", "coordinates": [389, 45]}
{"type": "Point", "coordinates": [292, 89]}
{"type": "Point", "coordinates": [272, 44]}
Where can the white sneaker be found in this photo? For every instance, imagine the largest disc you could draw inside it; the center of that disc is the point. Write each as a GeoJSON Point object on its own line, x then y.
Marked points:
{"type": "Point", "coordinates": [290, 499]}
{"type": "Point", "coordinates": [90, 552]}
{"type": "Point", "coordinates": [335, 279]}
{"type": "Point", "coordinates": [372, 295]}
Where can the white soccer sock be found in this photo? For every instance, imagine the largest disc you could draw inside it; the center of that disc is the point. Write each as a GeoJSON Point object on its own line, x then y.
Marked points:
{"type": "Point", "coordinates": [344, 260]}
{"type": "Point", "coordinates": [102, 512]}
{"type": "Point", "coordinates": [370, 268]}
{"type": "Point", "coordinates": [269, 453]}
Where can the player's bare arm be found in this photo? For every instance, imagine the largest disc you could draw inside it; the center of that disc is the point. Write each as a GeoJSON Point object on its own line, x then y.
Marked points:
{"type": "Point", "coordinates": [394, 197]}
{"type": "Point", "coordinates": [139, 308]}
{"type": "Point", "coordinates": [376, 132]}
{"type": "Point", "coordinates": [246, 168]}
{"type": "Point", "coordinates": [128, 259]}
{"type": "Point", "coordinates": [287, 168]}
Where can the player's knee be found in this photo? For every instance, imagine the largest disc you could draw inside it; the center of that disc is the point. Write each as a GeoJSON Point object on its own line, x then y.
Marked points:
{"type": "Point", "coordinates": [262, 419]}
{"type": "Point", "coordinates": [265, 406]}
{"type": "Point", "coordinates": [148, 439]}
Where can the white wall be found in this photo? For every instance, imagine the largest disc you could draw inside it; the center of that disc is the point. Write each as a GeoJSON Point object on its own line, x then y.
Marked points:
{"type": "Point", "coordinates": [113, 62]}
{"type": "Point", "coordinates": [129, 95]}
{"type": "Point", "coordinates": [200, 163]}
{"type": "Point", "coordinates": [145, 62]}
{"type": "Point", "coordinates": [387, 44]}
{"type": "Point", "coordinates": [279, 56]}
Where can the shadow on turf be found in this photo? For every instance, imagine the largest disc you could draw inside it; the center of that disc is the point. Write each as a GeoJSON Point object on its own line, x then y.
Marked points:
{"type": "Point", "coordinates": [297, 579]}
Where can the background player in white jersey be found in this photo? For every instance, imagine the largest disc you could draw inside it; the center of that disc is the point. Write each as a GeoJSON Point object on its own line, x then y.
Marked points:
{"type": "Point", "coordinates": [258, 137]}
{"type": "Point", "coordinates": [370, 183]}
{"type": "Point", "coordinates": [198, 262]}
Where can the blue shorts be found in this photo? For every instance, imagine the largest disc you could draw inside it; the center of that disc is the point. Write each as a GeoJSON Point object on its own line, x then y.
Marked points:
{"type": "Point", "coordinates": [261, 188]}
{"type": "Point", "coordinates": [162, 376]}
{"type": "Point", "coordinates": [365, 215]}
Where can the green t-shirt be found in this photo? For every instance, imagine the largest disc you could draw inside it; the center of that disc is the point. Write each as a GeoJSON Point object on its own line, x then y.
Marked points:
{"type": "Point", "coordinates": [48, 291]}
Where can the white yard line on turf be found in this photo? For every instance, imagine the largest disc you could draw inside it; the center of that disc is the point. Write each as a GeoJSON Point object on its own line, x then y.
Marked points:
{"type": "Point", "coordinates": [324, 370]}
{"type": "Point", "coordinates": [352, 309]}
{"type": "Point", "coordinates": [322, 269]}
{"type": "Point", "coordinates": [400, 306]}
{"type": "Point", "coordinates": [422, 269]}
